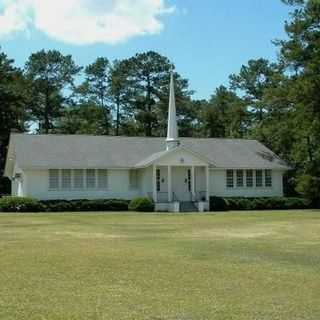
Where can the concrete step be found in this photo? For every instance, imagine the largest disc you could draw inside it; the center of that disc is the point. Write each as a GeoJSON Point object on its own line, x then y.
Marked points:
{"type": "Point", "coordinates": [188, 206]}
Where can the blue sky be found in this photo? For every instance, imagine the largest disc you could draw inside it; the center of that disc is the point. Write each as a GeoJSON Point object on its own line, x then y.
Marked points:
{"type": "Point", "coordinates": [206, 39]}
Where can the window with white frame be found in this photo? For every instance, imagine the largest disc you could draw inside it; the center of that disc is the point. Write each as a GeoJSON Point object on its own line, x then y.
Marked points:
{"type": "Point", "coordinates": [249, 178]}
{"type": "Point", "coordinates": [158, 178]}
{"type": "Point", "coordinates": [66, 179]}
{"type": "Point", "coordinates": [102, 179]}
{"type": "Point", "coordinates": [78, 179]}
{"type": "Point", "coordinates": [259, 181]}
{"type": "Point", "coordinates": [230, 182]}
{"type": "Point", "coordinates": [268, 178]}
{"type": "Point", "coordinates": [133, 179]}
{"type": "Point", "coordinates": [91, 178]}
{"type": "Point", "coordinates": [54, 179]}
{"type": "Point", "coordinates": [239, 178]}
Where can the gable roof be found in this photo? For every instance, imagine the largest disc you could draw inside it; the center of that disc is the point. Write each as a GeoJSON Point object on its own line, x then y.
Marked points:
{"type": "Point", "coordinates": [156, 156]}
{"type": "Point", "coordinates": [84, 151]}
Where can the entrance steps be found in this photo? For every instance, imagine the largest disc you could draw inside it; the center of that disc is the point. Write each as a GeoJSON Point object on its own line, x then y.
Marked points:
{"type": "Point", "coordinates": [188, 206]}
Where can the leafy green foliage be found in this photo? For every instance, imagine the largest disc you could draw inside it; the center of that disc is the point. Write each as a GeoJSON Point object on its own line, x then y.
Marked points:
{"type": "Point", "coordinates": [85, 205]}
{"type": "Point", "coordinates": [141, 204]}
{"type": "Point", "coordinates": [309, 187]}
{"type": "Point", "coordinates": [148, 76]}
{"type": "Point", "coordinates": [19, 204]}
{"type": "Point", "coordinates": [275, 203]}
{"type": "Point", "coordinates": [225, 115]}
{"type": "Point", "coordinates": [93, 91]}
{"type": "Point", "coordinates": [49, 75]}
{"type": "Point", "coordinates": [13, 111]}
{"type": "Point", "coordinates": [218, 204]}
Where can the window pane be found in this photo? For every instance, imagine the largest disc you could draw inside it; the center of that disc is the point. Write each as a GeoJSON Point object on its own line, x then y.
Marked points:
{"type": "Point", "coordinates": [249, 179]}
{"type": "Point", "coordinates": [91, 178]}
{"type": "Point", "coordinates": [259, 178]}
{"type": "Point", "coordinates": [103, 179]}
{"type": "Point", "coordinates": [66, 179]}
{"type": "Point", "coordinates": [229, 178]}
{"type": "Point", "coordinates": [239, 178]}
{"type": "Point", "coordinates": [78, 179]}
{"type": "Point", "coordinates": [53, 179]}
{"type": "Point", "coordinates": [268, 178]}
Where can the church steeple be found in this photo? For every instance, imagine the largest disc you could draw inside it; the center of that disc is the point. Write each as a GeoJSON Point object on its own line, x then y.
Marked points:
{"type": "Point", "coordinates": [172, 130]}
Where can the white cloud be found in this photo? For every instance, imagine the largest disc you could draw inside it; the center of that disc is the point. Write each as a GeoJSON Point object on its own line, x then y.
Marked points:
{"type": "Point", "coordinates": [84, 21]}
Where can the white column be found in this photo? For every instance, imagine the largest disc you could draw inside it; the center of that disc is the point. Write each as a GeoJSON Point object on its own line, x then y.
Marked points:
{"type": "Point", "coordinates": [169, 184]}
{"type": "Point", "coordinates": [208, 183]}
{"type": "Point", "coordinates": [154, 183]}
{"type": "Point", "coordinates": [20, 191]}
{"type": "Point", "coordinates": [193, 186]}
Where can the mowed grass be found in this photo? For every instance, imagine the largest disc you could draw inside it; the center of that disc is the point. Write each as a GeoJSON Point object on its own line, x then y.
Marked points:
{"type": "Point", "coordinates": [257, 265]}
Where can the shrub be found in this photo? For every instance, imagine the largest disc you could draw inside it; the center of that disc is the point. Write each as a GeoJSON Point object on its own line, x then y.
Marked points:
{"type": "Point", "coordinates": [85, 205]}
{"type": "Point", "coordinates": [218, 204]}
{"type": "Point", "coordinates": [272, 203]}
{"type": "Point", "coordinates": [309, 187]}
{"type": "Point", "coordinates": [297, 203]}
{"type": "Point", "coordinates": [141, 204]}
{"type": "Point", "coordinates": [19, 204]}
{"type": "Point", "coordinates": [57, 205]}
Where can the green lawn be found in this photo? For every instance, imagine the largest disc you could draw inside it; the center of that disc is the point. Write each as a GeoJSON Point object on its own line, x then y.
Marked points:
{"type": "Point", "coordinates": [257, 265]}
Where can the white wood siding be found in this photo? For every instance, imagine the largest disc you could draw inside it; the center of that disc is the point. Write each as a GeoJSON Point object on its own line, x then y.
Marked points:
{"type": "Point", "coordinates": [37, 186]}
{"type": "Point", "coordinates": [218, 186]}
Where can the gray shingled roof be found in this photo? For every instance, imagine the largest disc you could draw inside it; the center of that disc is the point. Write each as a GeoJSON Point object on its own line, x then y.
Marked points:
{"type": "Point", "coordinates": [83, 151]}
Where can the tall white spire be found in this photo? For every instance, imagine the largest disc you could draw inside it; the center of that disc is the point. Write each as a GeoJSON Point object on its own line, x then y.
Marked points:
{"type": "Point", "coordinates": [172, 130]}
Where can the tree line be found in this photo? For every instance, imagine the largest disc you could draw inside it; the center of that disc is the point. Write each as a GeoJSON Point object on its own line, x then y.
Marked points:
{"type": "Point", "coordinates": [277, 103]}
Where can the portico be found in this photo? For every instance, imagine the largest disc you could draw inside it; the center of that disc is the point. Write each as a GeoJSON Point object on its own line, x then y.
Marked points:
{"type": "Point", "coordinates": [180, 183]}
{"type": "Point", "coordinates": [179, 175]}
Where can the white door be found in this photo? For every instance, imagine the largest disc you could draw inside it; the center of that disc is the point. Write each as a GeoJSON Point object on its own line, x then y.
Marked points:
{"type": "Point", "coordinates": [181, 183]}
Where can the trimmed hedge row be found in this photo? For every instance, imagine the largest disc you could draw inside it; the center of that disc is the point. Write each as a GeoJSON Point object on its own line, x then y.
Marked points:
{"type": "Point", "coordinates": [18, 204]}
{"type": "Point", "coordinates": [273, 203]}
{"type": "Point", "coordinates": [85, 205]}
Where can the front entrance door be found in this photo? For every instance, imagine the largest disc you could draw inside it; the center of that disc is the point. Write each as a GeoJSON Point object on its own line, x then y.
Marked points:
{"type": "Point", "coordinates": [181, 183]}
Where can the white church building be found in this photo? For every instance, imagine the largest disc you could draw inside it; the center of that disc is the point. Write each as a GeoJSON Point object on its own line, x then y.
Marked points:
{"type": "Point", "coordinates": [174, 172]}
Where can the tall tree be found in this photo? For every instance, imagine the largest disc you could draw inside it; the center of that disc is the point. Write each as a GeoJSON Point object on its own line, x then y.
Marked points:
{"type": "Point", "coordinates": [119, 90]}
{"type": "Point", "coordinates": [50, 75]}
{"type": "Point", "coordinates": [252, 81]}
{"type": "Point", "coordinates": [94, 90]}
{"type": "Point", "coordinates": [13, 115]}
{"type": "Point", "coordinates": [82, 119]}
{"type": "Point", "coordinates": [300, 55]}
{"type": "Point", "coordinates": [148, 76]}
{"type": "Point", "coordinates": [225, 115]}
